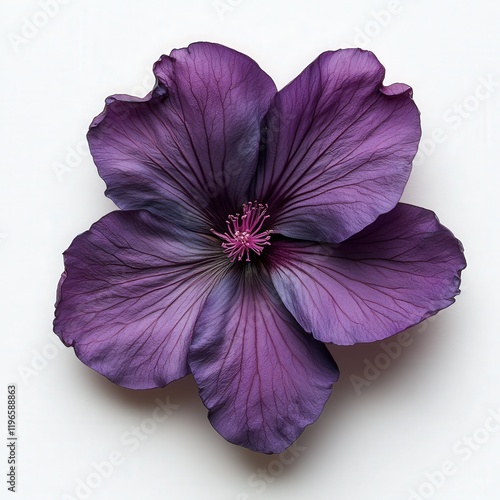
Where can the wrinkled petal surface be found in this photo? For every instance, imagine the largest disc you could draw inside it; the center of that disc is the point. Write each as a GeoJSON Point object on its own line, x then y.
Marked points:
{"type": "Point", "coordinates": [189, 149]}
{"type": "Point", "coordinates": [395, 273]}
{"type": "Point", "coordinates": [339, 148]}
{"type": "Point", "coordinates": [262, 378]}
{"type": "Point", "coordinates": [130, 295]}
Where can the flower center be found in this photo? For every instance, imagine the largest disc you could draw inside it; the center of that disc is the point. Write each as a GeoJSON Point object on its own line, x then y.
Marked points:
{"type": "Point", "coordinates": [244, 232]}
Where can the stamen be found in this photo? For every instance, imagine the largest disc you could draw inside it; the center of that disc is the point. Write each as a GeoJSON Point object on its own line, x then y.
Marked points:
{"type": "Point", "coordinates": [244, 232]}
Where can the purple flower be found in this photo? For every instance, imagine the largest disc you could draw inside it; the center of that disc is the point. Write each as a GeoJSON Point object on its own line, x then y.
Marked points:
{"type": "Point", "coordinates": [254, 226]}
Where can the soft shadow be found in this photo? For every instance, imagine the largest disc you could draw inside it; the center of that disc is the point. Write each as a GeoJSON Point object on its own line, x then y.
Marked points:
{"type": "Point", "coordinates": [351, 361]}
{"type": "Point", "coordinates": [181, 392]}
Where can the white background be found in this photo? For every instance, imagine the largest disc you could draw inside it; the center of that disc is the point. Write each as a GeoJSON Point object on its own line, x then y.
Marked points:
{"type": "Point", "coordinates": [377, 442]}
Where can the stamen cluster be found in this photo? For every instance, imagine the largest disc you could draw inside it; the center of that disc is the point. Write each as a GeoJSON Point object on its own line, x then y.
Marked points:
{"type": "Point", "coordinates": [244, 232]}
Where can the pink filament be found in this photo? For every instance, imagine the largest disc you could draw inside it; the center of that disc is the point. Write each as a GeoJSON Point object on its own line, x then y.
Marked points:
{"type": "Point", "coordinates": [244, 232]}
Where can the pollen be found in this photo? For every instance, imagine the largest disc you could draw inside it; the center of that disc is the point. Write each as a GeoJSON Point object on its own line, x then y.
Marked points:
{"type": "Point", "coordinates": [244, 232]}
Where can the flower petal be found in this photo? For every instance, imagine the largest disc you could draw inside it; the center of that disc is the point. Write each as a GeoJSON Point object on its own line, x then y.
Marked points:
{"type": "Point", "coordinates": [190, 147]}
{"type": "Point", "coordinates": [130, 295]}
{"type": "Point", "coordinates": [395, 273]}
{"type": "Point", "coordinates": [262, 378]}
{"type": "Point", "coordinates": [339, 148]}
